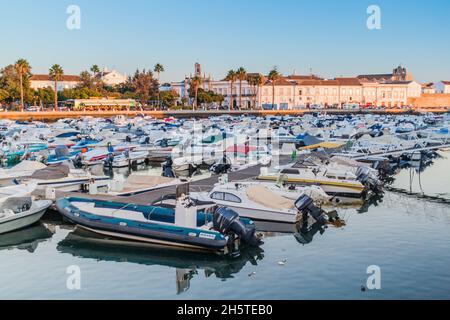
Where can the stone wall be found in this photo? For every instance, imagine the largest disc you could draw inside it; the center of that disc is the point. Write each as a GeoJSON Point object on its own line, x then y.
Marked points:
{"type": "Point", "coordinates": [430, 100]}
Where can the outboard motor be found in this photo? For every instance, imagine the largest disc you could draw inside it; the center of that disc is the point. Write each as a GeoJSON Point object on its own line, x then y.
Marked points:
{"type": "Point", "coordinates": [168, 171]}
{"type": "Point", "coordinates": [221, 167]}
{"type": "Point", "coordinates": [109, 160]}
{"type": "Point", "coordinates": [227, 221]}
{"type": "Point", "coordinates": [164, 143]}
{"type": "Point", "coordinates": [128, 139]}
{"type": "Point", "coordinates": [77, 162]}
{"type": "Point", "coordinates": [366, 177]}
{"type": "Point", "coordinates": [306, 205]}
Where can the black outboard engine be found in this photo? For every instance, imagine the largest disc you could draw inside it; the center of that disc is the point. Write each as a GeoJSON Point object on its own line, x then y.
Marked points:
{"type": "Point", "coordinates": [109, 160]}
{"type": "Point", "coordinates": [77, 162]}
{"type": "Point", "coordinates": [369, 180]}
{"type": "Point", "coordinates": [221, 167]}
{"type": "Point", "coordinates": [306, 205]}
{"type": "Point", "coordinates": [227, 221]}
{"type": "Point", "coordinates": [168, 171]}
{"type": "Point", "coordinates": [164, 143]}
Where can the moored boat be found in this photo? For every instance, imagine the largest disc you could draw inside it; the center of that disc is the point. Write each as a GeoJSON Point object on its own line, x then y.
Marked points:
{"type": "Point", "coordinates": [188, 226]}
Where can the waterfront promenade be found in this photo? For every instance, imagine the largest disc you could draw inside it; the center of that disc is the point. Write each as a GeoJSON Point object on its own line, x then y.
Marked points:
{"type": "Point", "coordinates": [55, 115]}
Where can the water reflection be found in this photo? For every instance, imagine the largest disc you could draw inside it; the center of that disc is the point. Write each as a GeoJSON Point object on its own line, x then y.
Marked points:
{"type": "Point", "coordinates": [83, 244]}
{"type": "Point", "coordinates": [27, 239]}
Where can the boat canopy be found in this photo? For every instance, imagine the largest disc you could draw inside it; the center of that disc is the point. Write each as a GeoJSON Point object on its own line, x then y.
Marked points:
{"type": "Point", "coordinates": [263, 196]}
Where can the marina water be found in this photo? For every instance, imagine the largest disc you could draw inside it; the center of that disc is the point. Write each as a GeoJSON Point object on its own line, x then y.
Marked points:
{"type": "Point", "coordinates": [405, 235]}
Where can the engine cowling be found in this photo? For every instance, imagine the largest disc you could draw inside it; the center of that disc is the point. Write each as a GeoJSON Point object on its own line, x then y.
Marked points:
{"type": "Point", "coordinates": [227, 221]}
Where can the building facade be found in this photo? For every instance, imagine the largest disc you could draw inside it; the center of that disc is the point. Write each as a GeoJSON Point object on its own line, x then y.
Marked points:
{"type": "Point", "coordinates": [442, 87]}
{"type": "Point", "coordinates": [111, 78]}
{"type": "Point", "coordinates": [41, 81]}
{"type": "Point", "coordinates": [221, 87]}
{"type": "Point", "coordinates": [300, 91]}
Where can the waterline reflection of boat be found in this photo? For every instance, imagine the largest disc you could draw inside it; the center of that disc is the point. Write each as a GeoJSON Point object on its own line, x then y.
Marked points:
{"type": "Point", "coordinates": [84, 244]}
{"type": "Point", "coordinates": [27, 239]}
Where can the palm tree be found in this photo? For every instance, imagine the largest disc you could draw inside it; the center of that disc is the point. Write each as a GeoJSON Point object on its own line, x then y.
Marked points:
{"type": "Point", "coordinates": [241, 75]}
{"type": "Point", "coordinates": [196, 82]}
{"type": "Point", "coordinates": [56, 73]}
{"type": "Point", "coordinates": [22, 68]}
{"type": "Point", "coordinates": [158, 69]}
{"type": "Point", "coordinates": [255, 81]}
{"type": "Point", "coordinates": [95, 69]}
{"type": "Point", "coordinates": [274, 75]}
{"type": "Point", "coordinates": [232, 77]}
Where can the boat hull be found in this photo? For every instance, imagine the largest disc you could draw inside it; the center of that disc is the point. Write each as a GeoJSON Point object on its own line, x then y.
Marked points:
{"type": "Point", "coordinates": [24, 219]}
{"type": "Point", "coordinates": [263, 215]}
{"type": "Point", "coordinates": [148, 232]}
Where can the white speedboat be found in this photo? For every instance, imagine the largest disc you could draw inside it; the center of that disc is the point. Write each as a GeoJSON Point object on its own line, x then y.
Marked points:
{"type": "Point", "coordinates": [254, 201]}
{"type": "Point", "coordinates": [18, 213]}
{"type": "Point", "coordinates": [63, 178]}
{"type": "Point", "coordinates": [127, 159]}
{"type": "Point", "coordinates": [344, 188]}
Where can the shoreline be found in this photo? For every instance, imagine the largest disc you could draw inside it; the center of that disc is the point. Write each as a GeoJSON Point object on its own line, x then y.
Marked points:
{"type": "Point", "coordinates": [55, 115]}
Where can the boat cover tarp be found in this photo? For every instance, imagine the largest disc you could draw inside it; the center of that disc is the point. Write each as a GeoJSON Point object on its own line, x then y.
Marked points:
{"type": "Point", "coordinates": [269, 199]}
{"type": "Point", "coordinates": [29, 166]}
{"type": "Point", "coordinates": [309, 140]}
{"type": "Point", "coordinates": [51, 172]}
{"type": "Point", "coordinates": [137, 182]}
{"type": "Point", "coordinates": [17, 204]}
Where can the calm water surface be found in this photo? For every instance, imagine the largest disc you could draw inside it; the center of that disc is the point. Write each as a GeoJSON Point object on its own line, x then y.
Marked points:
{"type": "Point", "coordinates": [407, 236]}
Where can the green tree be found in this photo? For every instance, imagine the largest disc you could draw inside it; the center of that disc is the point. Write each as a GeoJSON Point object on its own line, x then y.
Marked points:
{"type": "Point", "coordinates": [274, 75]}
{"type": "Point", "coordinates": [95, 70]}
{"type": "Point", "coordinates": [169, 97]}
{"type": "Point", "coordinates": [241, 75]}
{"type": "Point", "coordinates": [23, 69]}
{"type": "Point", "coordinates": [195, 84]}
{"type": "Point", "coordinates": [4, 95]}
{"type": "Point", "coordinates": [10, 81]}
{"type": "Point", "coordinates": [158, 69]}
{"type": "Point", "coordinates": [144, 86]}
{"type": "Point", "coordinates": [255, 81]}
{"type": "Point", "coordinates": [45, 96]}
{"type": "Point", "coordinates": [56, 73]}
{"type": "Point", "coordinates": [231, 77]}
{"type": "Point", "coordinates": [86, 80]}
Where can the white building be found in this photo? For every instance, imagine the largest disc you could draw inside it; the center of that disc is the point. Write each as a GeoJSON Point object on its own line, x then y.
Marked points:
{"type": "Point", "coordinates": [428, 88]}
{"type": "Point", "coordinates": [221, 87]}
{"type": "Point", "coordinates": [442, 87]}
{"type": "Point", "coordinates": [111, 78]}
{"type": "Point", "coordinates": [388, 90]}
{"type": "Point", "coordinates": [40, 81]}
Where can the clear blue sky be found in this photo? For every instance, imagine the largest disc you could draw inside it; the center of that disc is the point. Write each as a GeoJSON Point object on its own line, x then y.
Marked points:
{"type": "Point", "coordinates": [328, 36]}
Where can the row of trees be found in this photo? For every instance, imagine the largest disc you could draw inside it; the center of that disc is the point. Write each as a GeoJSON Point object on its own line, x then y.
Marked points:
{"type": "Point", "coordinates": [255, 80]}
{"type": "Point", "coordinates": [15, 87]}
{"type": "Point", "coordinates": [143, 86]}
